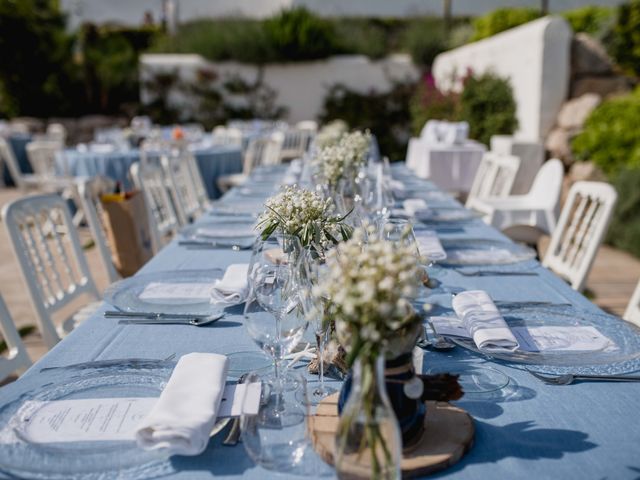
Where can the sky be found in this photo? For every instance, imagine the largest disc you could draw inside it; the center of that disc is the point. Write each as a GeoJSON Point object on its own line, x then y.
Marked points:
{"type": "Point", "coordinates": [132, 11]}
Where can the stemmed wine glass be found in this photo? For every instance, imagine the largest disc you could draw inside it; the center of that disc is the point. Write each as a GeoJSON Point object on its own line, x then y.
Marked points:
{"type": "Point", "coordinates": [314, 306]}
{"type": "Point", "coordinates": [273, 314]}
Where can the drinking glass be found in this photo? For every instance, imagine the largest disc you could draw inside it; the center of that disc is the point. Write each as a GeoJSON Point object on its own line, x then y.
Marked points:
{"type": "Point", "coordinates": [274, 432]}
{"type": "Point", "coordinates": [378, 198]}
{"type": "Point", "coordinates": [273, 314]}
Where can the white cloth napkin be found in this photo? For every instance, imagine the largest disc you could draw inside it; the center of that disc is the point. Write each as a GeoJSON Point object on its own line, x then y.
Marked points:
{"type": "Point", "coordinates": [414, 205]}
{"type": "Point", "coordinates": [186, 411]}
{"type": "Point", "coordinates": [483, 321]}
{"type": "Point", "coordinates": [226, 231]}
{"type": "Point", "coordinates": [492, 256]}
{"type": "Point", "coordinates": [429, 245]}
{"type": "Point", "coordinates": [233, 288]}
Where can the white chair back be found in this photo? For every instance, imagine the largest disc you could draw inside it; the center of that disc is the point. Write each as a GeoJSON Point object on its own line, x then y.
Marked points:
{"type": "Point", "coordinates": [16, 358]}
{"type": "Point", "coordinates": [57, 132]}
{"type": "Point", "coordinates": [198, 182]}
{"type": "Point", "coordinates": [632, 314]}
{"type": "Point", "coordinates": [181, 185]}
{"type": "Point", "coordinates": [90, 190]}
{"type": "Point", "coordinates": [310, 125]}
{"type": "Point", "coordinates": [163, 219]}
{"type": "Point", "coordinates": [49, 253]}
{"type": "Point", "coordinates": [227, 136]}
{"type": "Point", "coordinates": [263, 151]}
{"type": "Point", "coordinates": [295, 143]}
{"type": "Point", "coordinates": [10, 160]}
{"type": "Point", "coordinates": [580, 231]}
{"type": "Point", "coordinates": [494, 177]}
{"type": "Point", "coordinates": [42, 157]}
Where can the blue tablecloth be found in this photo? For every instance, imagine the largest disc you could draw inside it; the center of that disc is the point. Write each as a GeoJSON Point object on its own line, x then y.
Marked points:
{"type": "Point", "coordinates": [18, 143]}
{"type": "Point", "coordinates": [213, 162]}
{"type": "Point", "coordinates": [526, 430]}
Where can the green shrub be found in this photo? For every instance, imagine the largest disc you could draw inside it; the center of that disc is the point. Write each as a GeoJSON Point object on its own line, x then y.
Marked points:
{"type": "Point", "coordinates": [428, 103]}
{"type": "Point", "coordinates": [610, 138]}
{"type": "Point", "coordinates": [385, 114]}
{"type": "Point", "coordinates": [297, 34]}
{"type": "Point", "coordinates": [592, 19]}
{"type": "Point", "coordinates": [424, 39]}
{"type": "Point", "coordinates": [624, 231]}
{"type": "Point", "coordinates": [625, 42]}
{"type": "Point", "coordinates": [487, 104]}
{"type": "Point", "coordinates": [502, 19]}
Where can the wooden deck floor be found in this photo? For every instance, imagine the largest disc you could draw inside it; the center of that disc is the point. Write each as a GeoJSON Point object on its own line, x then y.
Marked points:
{"type": "Point", "coordinates": [612, 281]}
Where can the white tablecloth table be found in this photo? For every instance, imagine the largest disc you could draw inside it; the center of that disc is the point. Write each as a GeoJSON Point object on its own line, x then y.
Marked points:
{"type": "Point", "coordinates": [450, 167]}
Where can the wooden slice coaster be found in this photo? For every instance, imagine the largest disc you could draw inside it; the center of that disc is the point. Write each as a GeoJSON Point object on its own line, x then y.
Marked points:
{"type": "Point", "coordinates": [448, 435]}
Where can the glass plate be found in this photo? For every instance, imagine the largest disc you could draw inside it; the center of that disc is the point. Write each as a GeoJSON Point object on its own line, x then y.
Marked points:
{"type": "Point", "coordinates": [474, 379]}
{"type": "Point", "coordinates": [237, 232]}
{"type": "Point", "coordinates": [446, 215]}
{"type": "Point", "coordinates": [125, 294]}
{"type": "Point", "coordinates": [624, 358]}
{"type": "Point", "coordinates": [22, 458]}
{"type": "Point", "coordinates": [485, 252]}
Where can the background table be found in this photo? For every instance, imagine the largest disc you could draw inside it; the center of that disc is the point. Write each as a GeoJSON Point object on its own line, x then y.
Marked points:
{"type": "Point", "coordinates": [213, 161]}
{"type": "Point", "coordinates": [450, 167]}
{"type": "Point", "coordinates": [526, 430]}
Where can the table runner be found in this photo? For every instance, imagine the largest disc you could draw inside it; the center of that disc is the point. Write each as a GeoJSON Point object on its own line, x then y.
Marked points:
{"type": "Point", "coordinates": [527, 430]}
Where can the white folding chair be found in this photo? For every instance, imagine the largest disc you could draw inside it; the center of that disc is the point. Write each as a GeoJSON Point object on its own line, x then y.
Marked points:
{"type": "Point", "coordinates": [163, 219]}
{"type": "Point", "coordinates": [178, 171]}
{"type": "Point", "coordinates": [538, 208]}
{"type": "Point", "coordinates": [632, 313]}
{"type": "Point", "coordinates": [261, 151]}
{"type": "Point", "coordinates": [295, 143]}
{"type": "Point", "coordinates": [16, 358]}
{"type": "Point", "coordinates": [494, 178]}
{"type": "Point", "coordinates": [57, 132]}
{"type": "Point", "coordinates": [46, 245]}
{"type": "Point", "coordinates": [581, 228]}
{"type": "Point", "coordinates": [227, 136]}
{"type": "Point", "coordinates": [310, 125]}
{"type": "Point", "coordinates": [90, 190]}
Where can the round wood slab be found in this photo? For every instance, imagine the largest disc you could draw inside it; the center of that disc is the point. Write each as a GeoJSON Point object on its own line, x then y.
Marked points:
{"type": "Point", "coordinates": [448, 435]}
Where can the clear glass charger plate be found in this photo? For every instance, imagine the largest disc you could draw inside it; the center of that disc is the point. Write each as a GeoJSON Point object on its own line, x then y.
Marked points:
{"type": "Point", "coordinates": [446, 215]}
{"type": "Point", "coordinates": [474, 379]}
{"type": "Point", "coordinates": [239, 233]}
{"type": "Point", "coordinates": [125, 294]}
{"type": "Point", "coordinates": [623, 358]}
{"type": "Point", "coordinates": [21, 457]}
{"type": "Point", "coordinates": [485, 252]}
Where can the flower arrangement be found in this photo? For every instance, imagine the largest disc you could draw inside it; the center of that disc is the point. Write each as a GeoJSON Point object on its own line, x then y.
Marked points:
{"type": "Point", "coordinates": [370, 286]}
{"type": "Point", "coordinates": [344, 158]}
{"type": "Point", "coordinates": [330, 133]}
{"type": "Point", "coordinates": [306, 215]}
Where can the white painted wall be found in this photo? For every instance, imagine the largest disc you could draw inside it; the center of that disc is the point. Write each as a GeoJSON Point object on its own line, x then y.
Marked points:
{"type": "Point", "coordinates": [535, 57]}
{"type": "Point", "coordinates": [301, 87]}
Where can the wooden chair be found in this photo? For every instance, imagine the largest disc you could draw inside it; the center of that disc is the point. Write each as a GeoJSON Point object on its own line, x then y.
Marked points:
{"type": "Point", "coordinates": [580, 231]}
{"type": "Point", "coordinates": [295, 143]}
{"type": "Point", "coordinates": [182, 186]}
{"type": "Point", "coordinates": [494, 178]}
{"type": "Point", "coordinates": [46, 245]}
{"type": "Point", "coordinates": [90, 190]}
{"type": "Point", "coordinates": [16, 359]}
{"type": "Point", "coordinates": [632, 313]}
{"type": "Point", "coordinates": [226, 136]}
{"type": "Point", "coordinates": [163, 219]}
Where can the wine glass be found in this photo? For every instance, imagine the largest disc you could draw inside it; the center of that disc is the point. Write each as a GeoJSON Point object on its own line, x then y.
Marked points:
{"type": "Point", "coordinates": [273, 313]}
{"type": "Point", "coordinates": [274, 428]}
{"type": "Point", "coordinates": [378, 199]}
{"type": "Point", "coordinates": [314, 307]}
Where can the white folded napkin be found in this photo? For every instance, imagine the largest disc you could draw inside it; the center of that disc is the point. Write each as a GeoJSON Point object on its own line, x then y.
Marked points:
{"type": "Point", "coordinates": [429, 245]}
{"type": "Point", "coordinates": [483, 321]}
{"type": "Point", "coordinates": [490, 256]}
{"type": "Point", "coordinates": [233, 288]}
{"type": "Point", "coordinates": [186, 411]}
{"type": "Point", "coordinates": [397, 185]}
{"type": "Point", "coordinates": [414, 205]}
{"type": "Point", "coordinates": [226, 231]}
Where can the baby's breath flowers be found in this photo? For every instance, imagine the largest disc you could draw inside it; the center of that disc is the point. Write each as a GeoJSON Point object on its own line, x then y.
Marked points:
{"type": "Point", "coordinates": [344, 158]}
{"type": "Point", "coordinates": [330, 134]}
{"type": "Point", "coordinates": [369, 287]}
{"type": "Point", "coordinates": [306, 215]}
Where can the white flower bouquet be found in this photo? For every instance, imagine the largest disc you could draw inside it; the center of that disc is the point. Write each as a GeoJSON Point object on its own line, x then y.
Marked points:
{"type": "Point", "coordinates": [330, 133]}
{"type": "Point", "coordinates": [344, 158]}
{"type": "Point", "coordinates": [306, 215]}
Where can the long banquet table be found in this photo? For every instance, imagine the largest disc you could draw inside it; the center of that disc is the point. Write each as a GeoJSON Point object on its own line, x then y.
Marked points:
{"type": "Point", "coordinates": [526, 430]}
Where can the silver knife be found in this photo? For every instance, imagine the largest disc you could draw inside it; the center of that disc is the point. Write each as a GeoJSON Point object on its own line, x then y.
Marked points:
{"type": "Point", "coordinates": [156, 315]}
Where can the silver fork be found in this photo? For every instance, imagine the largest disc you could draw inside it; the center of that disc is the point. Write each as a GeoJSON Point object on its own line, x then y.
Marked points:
{"type": "Point", "coordinates": [569, 378]}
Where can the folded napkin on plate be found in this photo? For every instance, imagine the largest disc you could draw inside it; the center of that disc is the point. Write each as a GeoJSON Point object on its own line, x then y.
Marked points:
{"type": "Point", "coordinates": [414, 205]}
{"type": "Point", "coordinates": [482, 320]}
{"type": "Point", "coordinates": [488, 256]}
{"type": "Point", "coordinates": [186, 411]}
{"type": "Point", "coordinates": [429, 245]}
{"type": "Point", "coordinates": [226, 231]}
{"type": "Point", "coordinates": [233, 288]}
